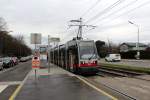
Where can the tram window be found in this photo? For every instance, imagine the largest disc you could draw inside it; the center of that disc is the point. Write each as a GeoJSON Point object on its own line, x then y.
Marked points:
{"type": "Point", "coordinates": [42, 49]}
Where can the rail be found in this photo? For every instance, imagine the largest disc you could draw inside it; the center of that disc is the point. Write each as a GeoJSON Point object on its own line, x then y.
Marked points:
{"type": "Point", "coordinates": [122, 73]}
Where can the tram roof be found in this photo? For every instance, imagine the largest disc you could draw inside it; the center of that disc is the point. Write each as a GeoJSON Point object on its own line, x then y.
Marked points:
{"type": "Point", "coordinates": [71, 43]}
{"type": "Point", "coordinates": [74, 42]}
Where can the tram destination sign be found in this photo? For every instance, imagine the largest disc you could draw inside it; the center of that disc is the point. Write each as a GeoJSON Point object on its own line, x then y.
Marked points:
{"type": "Point", "coordinates": [54, 39]}
{"type": "Point", "coordinates": [36, 38]}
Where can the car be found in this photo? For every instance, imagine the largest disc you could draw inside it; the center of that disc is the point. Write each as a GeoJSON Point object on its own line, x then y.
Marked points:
{"type": "Point", "coordinates": [7, 62]}
{"type": "Point", "coordinates": [15, 60]}
{"type": "Point", "coordinates": [22, 59]}
{"type": "Point", "coordinates": [113, 57]}
{"type": "Point", "coordinates": [1, 63]}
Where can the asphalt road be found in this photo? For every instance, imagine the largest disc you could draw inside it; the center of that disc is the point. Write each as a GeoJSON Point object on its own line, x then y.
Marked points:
{"type": "Point", "coordinates": [11, 78]}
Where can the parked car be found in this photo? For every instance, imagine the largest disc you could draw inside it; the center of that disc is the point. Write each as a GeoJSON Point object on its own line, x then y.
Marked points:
{"type": "Point", "coordinates": [113, 57]}
{"type": "Point", "coordinates": [15, 60]}
{"type": "Point", "coordinates": [24, 59]}
{"type": "Point", "coordinates": [1, 63]}
{"type": "Point", "coordinates": [7, 62]}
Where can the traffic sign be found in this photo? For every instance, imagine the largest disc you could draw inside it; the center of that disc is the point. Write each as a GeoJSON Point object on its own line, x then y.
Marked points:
{"type": "Point", "coordinates": [36, 38]}
{"type": "Point", "coordinates": [35, 62]}
{"type": "Point", "coordinates": [54, 39]}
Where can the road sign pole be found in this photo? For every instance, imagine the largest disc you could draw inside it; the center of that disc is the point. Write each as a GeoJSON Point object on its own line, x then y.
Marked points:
{"type": "Point", "coordinates": [35, 39]}
{"type": "Point", "coordinates": [35, 73]}
{"type": "Point", "coordinates": [58, 52]}
{"type": "Point", "coordinates": [53, 53]}
{"type": "Point", "coordinates": [49, 54]}
{"type": "Point", "coordinates": [35, 69]}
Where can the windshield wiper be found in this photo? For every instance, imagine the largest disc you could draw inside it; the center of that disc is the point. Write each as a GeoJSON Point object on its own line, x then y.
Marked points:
{"type": "Point", "coordinates": [92, 55]}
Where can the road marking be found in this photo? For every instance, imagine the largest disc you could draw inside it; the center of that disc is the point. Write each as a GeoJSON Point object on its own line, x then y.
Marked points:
{"type": "Point", "coordinates": [99, 90]}
{"type": "Point", "coordinates": [12, 97]}
{"type": "Point", "coordinates": [2, 87]}
{"type": "Point", "coordinates": [11, 83]}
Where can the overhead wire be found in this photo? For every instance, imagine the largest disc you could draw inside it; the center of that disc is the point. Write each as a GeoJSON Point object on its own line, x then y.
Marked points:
{"type": "Point", "coordinates": [105, 10]}
{"type": "Point", "coordinates": [74, 31]}
{"type": "Point", "coordinates": [98, 1]}
{"type": "Point", "coordinates": [129, 11]}
{"type": "Point", "coordinates": [87, 11]}
{"type": "Point", "coordinates": [111, 7]}
{"type": "Point", "coordinates": [116, 11]}
{"type": "Point", "coordinates": [67, 35]}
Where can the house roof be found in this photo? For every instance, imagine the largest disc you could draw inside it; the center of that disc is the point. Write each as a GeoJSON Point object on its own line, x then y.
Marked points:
{"type": "Point", "coordinates": [132, 44]}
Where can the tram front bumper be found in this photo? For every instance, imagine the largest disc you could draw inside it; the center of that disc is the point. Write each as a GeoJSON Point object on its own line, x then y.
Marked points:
{"type": "Point", "coordinates": [88, 69]}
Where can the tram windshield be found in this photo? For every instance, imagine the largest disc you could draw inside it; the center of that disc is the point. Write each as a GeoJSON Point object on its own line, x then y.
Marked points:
{"type": "Point", "coordinates": [87, 50]}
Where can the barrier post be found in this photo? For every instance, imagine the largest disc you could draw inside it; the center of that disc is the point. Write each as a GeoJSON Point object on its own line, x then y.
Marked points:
{"type": "Point", "coordinates": [35, 64]}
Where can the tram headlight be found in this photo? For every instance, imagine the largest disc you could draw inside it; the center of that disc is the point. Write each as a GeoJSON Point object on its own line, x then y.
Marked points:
{"type": "Point", "coordinates": [95, 62]}
{"type": "Point", "coordinates": [82, 62]}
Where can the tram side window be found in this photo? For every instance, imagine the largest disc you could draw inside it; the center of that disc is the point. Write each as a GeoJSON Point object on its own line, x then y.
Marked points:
{"type": "Point", "coordinates": [42, 49]}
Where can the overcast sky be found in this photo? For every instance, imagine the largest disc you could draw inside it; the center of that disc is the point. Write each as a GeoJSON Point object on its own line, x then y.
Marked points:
{"type": "Point", "coordinates": [52, 17]}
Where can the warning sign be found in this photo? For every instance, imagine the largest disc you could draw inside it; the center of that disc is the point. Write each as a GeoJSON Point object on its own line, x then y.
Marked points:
{"type": "Point", "coordinates": [35, 62]}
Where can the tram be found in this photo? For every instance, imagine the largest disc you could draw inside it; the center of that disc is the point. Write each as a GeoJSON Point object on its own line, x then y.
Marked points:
{"type": "Point", "coordinates": [77, 56]}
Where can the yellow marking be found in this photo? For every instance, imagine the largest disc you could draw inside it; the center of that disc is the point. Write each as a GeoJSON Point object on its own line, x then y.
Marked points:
{"type": "Point", "coordinates": [99, 90]}
{"type": "Point", "coordinates": [12, 97]}
{"type": "Point", "coordinates": [16, 92]}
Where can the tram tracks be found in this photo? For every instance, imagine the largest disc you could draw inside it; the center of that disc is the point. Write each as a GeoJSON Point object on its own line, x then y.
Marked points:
{"type": "Point", "coordinates": [104, 71]}
{"type": "Point", "coordinates": [130, 81]}
{"type": "Point", "coordinates": [110, 89]}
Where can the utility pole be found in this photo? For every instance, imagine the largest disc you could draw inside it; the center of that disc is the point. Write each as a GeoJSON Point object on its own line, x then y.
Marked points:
{"type": "Point", "coordinates": [137, 44]}
{"type": "Point", "coordinates": [80, 25]}
{"type": "Point", "coordinates": [109, 46]}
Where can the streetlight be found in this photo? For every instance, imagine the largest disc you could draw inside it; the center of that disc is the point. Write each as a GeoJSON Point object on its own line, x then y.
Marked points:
{"type": "Point", "coordinates": [138, 52]}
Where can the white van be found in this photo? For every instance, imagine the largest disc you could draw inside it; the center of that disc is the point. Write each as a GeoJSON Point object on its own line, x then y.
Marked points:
{"type": "Point", "coordinates": [113, 57]}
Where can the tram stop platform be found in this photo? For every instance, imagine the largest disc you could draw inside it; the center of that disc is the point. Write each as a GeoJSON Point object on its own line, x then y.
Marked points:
{"type": "Point", "coordinates": [59, 84]}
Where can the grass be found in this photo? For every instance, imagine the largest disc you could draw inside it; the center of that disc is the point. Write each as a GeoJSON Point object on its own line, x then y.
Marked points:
{"type": "Point", "coordinates": [126, 67]}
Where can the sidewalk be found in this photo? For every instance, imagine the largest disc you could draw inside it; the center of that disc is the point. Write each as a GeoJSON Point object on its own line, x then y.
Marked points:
{"type": "Point", "coordinates": [59, 84]}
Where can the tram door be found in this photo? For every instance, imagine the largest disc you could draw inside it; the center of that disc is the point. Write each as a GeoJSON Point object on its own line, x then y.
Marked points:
{"type": "Point", "coordinates": [71, 60]}
{"type": "Point", "coordinates": [62, 63]}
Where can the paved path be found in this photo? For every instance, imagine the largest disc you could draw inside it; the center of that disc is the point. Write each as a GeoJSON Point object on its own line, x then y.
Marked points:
{"type": "Point", "coordinates": [59, 84]}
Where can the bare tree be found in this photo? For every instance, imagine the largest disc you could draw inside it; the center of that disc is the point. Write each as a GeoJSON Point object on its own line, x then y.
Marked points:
{"type": "Point", "coordinates": [3, 24]}
{"type": "Point", "coordinates": [20, 38]}
{"type": "Point", "coordinates": [12, 46]}
{"type": "Point", "coordinates": [112, 47]}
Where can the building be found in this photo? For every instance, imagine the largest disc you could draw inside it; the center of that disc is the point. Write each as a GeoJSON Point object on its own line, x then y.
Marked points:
{"type": "Point", "coordinates": [129, 46]}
